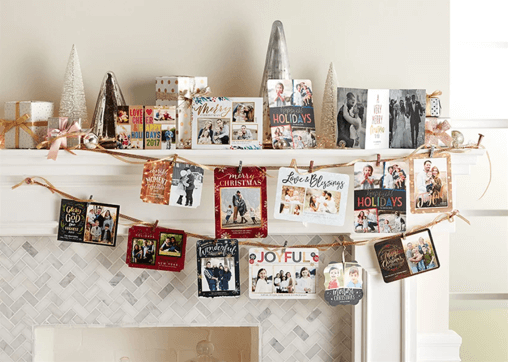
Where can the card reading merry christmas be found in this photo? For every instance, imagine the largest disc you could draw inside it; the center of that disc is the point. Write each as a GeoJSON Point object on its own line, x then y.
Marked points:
{"type": "Point", "coordinates": [343, 283]}
{"type": "Point", "coordinates": [88, 222]}
{"type": "Point", "coordinates": [291, 113]}
{"type": "Point", "coordinates": [380, 197]}
{"type": "Point", "coordinates": [240, 203]}
{"type": "Point", "coordinates": [218, 268]}
{"type": "Point", "coordinates": [279, 274]}
{"type": "Point", "coordinates": [156, 248]}
{"type": "Point", "coordinates": [318, 197]}
{"type": "Point", "coordinates": [399, 259]}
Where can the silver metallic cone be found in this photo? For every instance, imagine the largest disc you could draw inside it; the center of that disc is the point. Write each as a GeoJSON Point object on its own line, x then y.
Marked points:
{"type": "Point", "coordinates": [103, 122]}
{"type": "Point", "coordinates": [276, 67]}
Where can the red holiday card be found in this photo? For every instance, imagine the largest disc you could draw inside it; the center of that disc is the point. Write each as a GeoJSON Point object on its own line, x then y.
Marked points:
{"type": "Point", "coordinates": [240, 203]}
{"type": "Point", "coordinates": [156, 248]}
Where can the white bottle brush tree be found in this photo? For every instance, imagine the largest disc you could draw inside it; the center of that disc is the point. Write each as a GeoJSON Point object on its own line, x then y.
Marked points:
{"type": "Point", "coordinates": [73, 102]}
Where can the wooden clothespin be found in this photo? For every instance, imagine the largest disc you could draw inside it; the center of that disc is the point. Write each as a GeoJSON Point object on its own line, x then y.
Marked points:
{"type": "Point", "coordinates": [293, 163]}
{"type": "Point", "coordinates": [378, 160]}
{"type": "Point", "coordinates": [240, 167]}
{"type": "Point", "coordinates": [432, 149]}
{"type": "Point", "coordinates": [90, 198]}
{"type": "Point", "coordinates": [479, 139]}
{"type": "Point", "coordinates": [285, 245]}
{"type": "Point", "coordinates": [155, 224]}
{"type": "Point", "coordinates": [311, 166]}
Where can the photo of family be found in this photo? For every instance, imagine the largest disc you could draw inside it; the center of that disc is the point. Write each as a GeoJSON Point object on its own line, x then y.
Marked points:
{"type": "Point", "coordinates": [282, 137]}
{"type": "Point", "coordinates": [243, 112]}
{"type": "Point", "coordinates": [170, 244]}
{"type": "Point", "coordinates": [351, 117]}
{"type": "Point", "coordinates": [218, 274]}
{"type": "Point", "coordinates": [407, 118]}
{"type": "Point", "coordinates": [245, 132]}
{"type": "Point", "coordinates": [283, 279]}
{"type": "Point", "coordinates": [395, 175]}
{"type": "Point", "coordinates": [240, 207]}
{"type": "Point", "coordinates": [143, 251]}
{"type": "Point", "coordinates": [367, 176]}
{"type": "Point", "coordinates": [304, 137]}
{"type": "Point", "coordinates": [366, 221]}
{"type": "Point", "coordinates": [101, 224]}
{"type": "Point", "coordinates": [186, 185]}
{"type": "Point", "coordinates": [431, 184]}
{"type": "Point", "coordinates": [213, 131]}
{"type": "Point", "coordinates": [168, 136]}
{"type": "Point", "coordinates": [420, 253]}
{"type": "Point", "coordinates": [280, 92]}
{"type": "Point", "coordinates": [392, 222]}
{"type": "Point", "coordinates": [321, 201]}
{"type": "Point", "coordinates": [123, 137]}
{"type": "Point", "coordinates": [164, 114]}
{"type": "Point", "coordinates": [302, 93]}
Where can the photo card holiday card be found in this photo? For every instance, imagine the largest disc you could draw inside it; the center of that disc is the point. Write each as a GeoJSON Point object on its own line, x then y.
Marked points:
{"type": "Point", "coordinates": [240, 202]}
{"type": "Point", "coordinates": [123, 128]}
{"type": "Point", "coordinates": [88, 222]}
{"type": "Point", "coordinates": [380, 197]}
{"type": "Point", "coordinates": [283, 274]}
{"type": "Point", "coordinates": [318, 197]}
{"type": "Point", "coordinates": [431, 183]}
{"type": "Point", "coordinates": [227, 123]}
{"type": "Point", "coordinates": [218, 268]}
{"type": "Point", "coordinates": [399, 259]}
{"type": "Point", "coordinates": [156, 183]}
{"type": "Point", "coordinates": [156, 248]}
{"type": "Point", "coordinates": [164, 118]}
{"type": "Point", "coordinates": [291, 113]}
{"type": "Point", "coordinates": [186, 185]}
{"type": "Point", "coordinates": [343, 283]}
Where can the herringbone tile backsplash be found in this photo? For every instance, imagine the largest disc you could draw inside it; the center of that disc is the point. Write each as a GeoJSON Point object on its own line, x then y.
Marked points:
{"type": "Point", "coordinates": [47, 282]}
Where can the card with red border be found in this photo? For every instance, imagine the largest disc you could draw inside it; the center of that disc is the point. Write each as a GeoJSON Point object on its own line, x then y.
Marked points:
{"type": "Point", "coordinates": [240, 203]}
{"type": "Point", "coordinates": [156, 248]}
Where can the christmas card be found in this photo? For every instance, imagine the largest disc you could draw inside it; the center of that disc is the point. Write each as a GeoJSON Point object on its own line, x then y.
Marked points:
{"type": "Point", "coordinates": [343, 283]}
{"type": "Point", "coordinates": [156, 183]}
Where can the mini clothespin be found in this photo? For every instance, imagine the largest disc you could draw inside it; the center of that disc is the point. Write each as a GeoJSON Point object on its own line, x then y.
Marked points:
{"type": "Point", "coordinates": [285, 245]}
{"type": "Point", "coordinates": [91, 197]}
{"type": "Point", "coordinates": [403, 236]}
{"type": "Point", "coordinates": [378, 160]}
{"type": "Point", "coordinates": [155, 224]}
{"type": "Point", "coordinates": [240, 167]}
{"type": "Point", "coordinates": [293, 163]}
{"type": "Point", "coordinates": [479, 139]}
{"type": "Point", "coordinates": [311, 166]}
{"type": "Point", "coordinates": [432, 149]}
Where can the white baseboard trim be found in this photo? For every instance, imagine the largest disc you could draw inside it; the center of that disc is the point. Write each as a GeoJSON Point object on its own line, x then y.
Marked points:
{"type": "Point", "coordinates": [439, 347]}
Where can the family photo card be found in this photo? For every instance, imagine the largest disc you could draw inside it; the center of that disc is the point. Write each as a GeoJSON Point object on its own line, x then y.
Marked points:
{"type": "Point", "coordinates": [218, 268]}
{"type": "Point", "coordinates": [88, 222]}
{"type": "Point", "coordinates": [227, 123]}
{"type": "Point", "coordinates": [318, 197]}
{"type": "Point", "coordinates": [279, 274]}
{"type": "Point", "coordinates": [291, 113]}
{"type": "Point", "coordinates": [343, 283]}
{"type": "Point", "coordinates": [186, 185]}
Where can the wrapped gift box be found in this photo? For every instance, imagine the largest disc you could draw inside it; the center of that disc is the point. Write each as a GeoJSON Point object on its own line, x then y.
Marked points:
{"type": "Point", "coordinates": [33, 130]}
{"type": "Point", "coordinates": [433, 108]}
{"type": "Point", "coordinates": [65, 124]}
{"type": "Point", "coordinates": [438, 132]}
{"type": "Point", "coordinates": [178, 91]}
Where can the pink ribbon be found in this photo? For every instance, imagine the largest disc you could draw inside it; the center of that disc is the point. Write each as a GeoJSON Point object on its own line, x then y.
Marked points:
{"type": "Point", "coordinates": [435, 132]}
{"type": "Point", "coordinates": [63, 130]}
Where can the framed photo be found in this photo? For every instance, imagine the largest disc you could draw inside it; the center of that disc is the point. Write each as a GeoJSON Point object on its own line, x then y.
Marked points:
{"type": "Point", "coordinates": [431, 184]}
{"type": "Point", "coordinates": [218, 268]}
{"type": "Point", "coordinates": [186, 185]}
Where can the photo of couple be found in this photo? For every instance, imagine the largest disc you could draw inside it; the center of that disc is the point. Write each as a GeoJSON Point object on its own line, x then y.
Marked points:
{"type": "Point", "coordinates": [321, 201]}
{"type": "Point", "coordinates": [213, 131]}
{"type": "Point", "coordinates": [219, 274]}
{"type": "Point", "coordinates": [186, 185]}
{"type": "Point", "coordinates": [274, 280]}
{"type": "Point", "coordinates": [420, 254]}
{"type": "Point", "coordinates": [101, 224]}
{"type": "Point", "coordinates": [240, 207]}
{"type": "Point", "coordinates": [243, 112]}
{"type": "Point", "coordinates": [171, 244]}
{"type": "Point", "coordinates": [143, 251]}
{"type": "Point", "coordinates": [244, 132]}
{"type": "Point", "coordinates": [431, 185]}
{"type": "Point", "coordinates": [407, 118]}
{"type": "Point", "coordinates": [339, 275]}
{"type": "Point", "coordinates": [351, 117]}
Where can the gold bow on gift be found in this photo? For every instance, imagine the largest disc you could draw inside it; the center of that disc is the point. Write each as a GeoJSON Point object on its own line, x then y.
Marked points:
{"type": "Point", "coordinates": [434, 94]}
{"type": "Point", "coordinates": [21, 123]}
{"type": "Point", "coordinates": [434, 132]}
{"type": "Point", "coordinates": [187, 95]}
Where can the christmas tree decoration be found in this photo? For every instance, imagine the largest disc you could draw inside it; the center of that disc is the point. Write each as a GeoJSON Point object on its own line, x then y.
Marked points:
{"type": "Point", "coordinates": [343, 283]}
{"type": "Point", "coordinates": [103, 121]}
{"type": "Point", "coordinates": [329, 111]}
{"type": "Point", "coordinates": [73, 102]}
{"type": "Point", "coordinates": [91, 141]}
{"type": "Point", "coordinates": [276, 67]}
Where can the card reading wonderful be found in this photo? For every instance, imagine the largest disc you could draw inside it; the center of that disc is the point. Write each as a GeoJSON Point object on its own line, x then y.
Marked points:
{"type": "Point", "coordinates": [399, 259]}
{"type": "Point", "coordinates": [218, 268]}
{"type": "Point", "coordinates": [275, 274]}
{"type": "Point", "coordinates": [240, 203]}
{"type": "Point", "coordinates": [88, 222]}
{"type": "Point", "coordinates": [156, 248]}
{"type": "Point", "coordinates": [318, 197]}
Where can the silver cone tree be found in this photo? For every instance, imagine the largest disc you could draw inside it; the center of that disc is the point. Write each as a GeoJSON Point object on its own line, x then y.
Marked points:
{"type": "Point", "coordinates": [327, 139]}
{"type": "Point", "coordinates": [103, 122]}
{"type": "Point", "coordinates": [73, 102]}
{"type": "Point", "coordinates": [276, 67]}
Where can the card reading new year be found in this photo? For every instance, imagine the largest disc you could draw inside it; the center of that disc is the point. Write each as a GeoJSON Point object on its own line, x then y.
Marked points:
{"type": "Point", "coordinates": [318, 197]}
{"type": "Point", "coordinates": [283, 274]}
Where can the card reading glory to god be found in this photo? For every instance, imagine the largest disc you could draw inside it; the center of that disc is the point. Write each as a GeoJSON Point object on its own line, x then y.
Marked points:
{"type": "Point", "coordinates": [318, 197]}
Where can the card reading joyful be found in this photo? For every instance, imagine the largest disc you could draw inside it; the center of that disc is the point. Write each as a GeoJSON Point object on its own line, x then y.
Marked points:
{"type": "Point", "coordinates": [227, 123]}
{"type": "Point", "coordinates": [156, 248]}
{"type": "Point", "coordinates": [218, 268]}
{"type": "Point", "coordinates": [156, 183]}
{"type": "Point", "coordinates": [240, 203]}
{"type": "Point", "coordinates": [318, 197]}
{"type": "Point", "coordinates": [278, 274]}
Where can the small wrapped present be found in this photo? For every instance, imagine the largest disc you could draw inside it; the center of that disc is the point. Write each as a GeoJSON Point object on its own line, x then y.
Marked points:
{"type": "Point", "coordinates": [437, 132]}
{"type": "Point", "coordinates": [433, 104]}
{"type": "Point", "coordinates": [59, 126]}
{"type": "Point", "coordinates": [25, 123]}
{"type": "Point", "coordinates": [178, 91]}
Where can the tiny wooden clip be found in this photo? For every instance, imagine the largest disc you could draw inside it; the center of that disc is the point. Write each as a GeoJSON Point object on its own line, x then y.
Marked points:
{"type": "Point", "coordinates": [378, 161]}
{"type": "Point", "coordinates": [155, 224]}
{"type": "Point", "coordinates": [240, 167]}
{"type": "Point", "coordinates": [91, 197]}
{"type": "Point", "coordinates": [311, 167]}
{"type": "Point", "coordinates": [285, 245]}
{"type": "Point", "coordinates": [432, 149]}
{"type": "Point", "coordinates": [479, 139]}
{"type": "Point", "coordinates": [293, 163]}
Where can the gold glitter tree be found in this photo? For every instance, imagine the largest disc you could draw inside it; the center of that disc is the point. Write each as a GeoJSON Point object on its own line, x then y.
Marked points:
{"type": "Point", "coordinates": [327, 138]}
